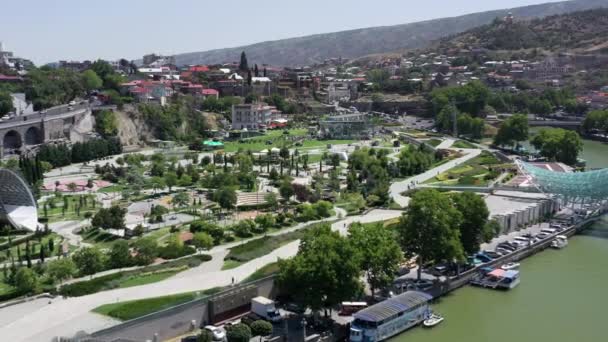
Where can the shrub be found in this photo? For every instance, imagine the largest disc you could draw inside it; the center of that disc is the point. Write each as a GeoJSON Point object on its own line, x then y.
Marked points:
{"type": "Point", "coordinates": [261, 328]}
{"type": "Point", "coordinates": [238, 333]}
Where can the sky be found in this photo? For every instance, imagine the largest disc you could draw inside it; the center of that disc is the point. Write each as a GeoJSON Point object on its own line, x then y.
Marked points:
{"type": "Point", "coordinates": [52, 30]}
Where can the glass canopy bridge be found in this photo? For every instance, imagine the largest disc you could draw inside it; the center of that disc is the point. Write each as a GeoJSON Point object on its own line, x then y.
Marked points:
{"type": "Point", "coordinates": [574, 189]}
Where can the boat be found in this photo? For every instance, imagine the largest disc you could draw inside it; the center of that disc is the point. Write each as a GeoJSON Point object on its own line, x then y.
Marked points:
{"type": "Point", "coordinates": [497, 279]}
{"type": "Point", "coordinates": [559, 242]}
{"type": "Point", "coordinates": [510, 266]}
{"type": "Point", "coordinates": [432, 320]}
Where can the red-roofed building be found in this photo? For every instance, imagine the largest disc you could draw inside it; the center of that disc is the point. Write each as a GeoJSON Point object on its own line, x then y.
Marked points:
{"type": "Point", "coordinates": [198, 68]}
{"type": "Point", "coordinates": [210, 93]}
{"type": "Point", "coordinates": [10, 79]}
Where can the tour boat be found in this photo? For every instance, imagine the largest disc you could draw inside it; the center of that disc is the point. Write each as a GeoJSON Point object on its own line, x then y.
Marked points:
{"type": "Point", "coordinates": [510, 266]}
{"type": "Point", "coordinates": [559, 242]}
{"type": "Point", "coordinates": [432, 320]}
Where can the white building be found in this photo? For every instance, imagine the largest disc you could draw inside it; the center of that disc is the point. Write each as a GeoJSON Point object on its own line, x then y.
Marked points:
{"type": "Point", "coordinates": [251, 116]}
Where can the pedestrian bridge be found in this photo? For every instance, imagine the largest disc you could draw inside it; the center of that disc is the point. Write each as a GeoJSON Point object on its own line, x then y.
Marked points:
{"type": "Point", "coordinates": [572, 187]}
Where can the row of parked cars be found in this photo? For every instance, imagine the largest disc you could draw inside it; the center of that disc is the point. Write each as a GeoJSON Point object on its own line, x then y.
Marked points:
{"type": "Point", "coordinates": [519, 242]}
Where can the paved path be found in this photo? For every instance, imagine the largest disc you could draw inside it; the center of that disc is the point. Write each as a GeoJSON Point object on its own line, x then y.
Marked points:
{"type": "Point", "coordinates": [447, 143]}
{"type": "Point", "coordinates": [398, 188]}
{"type": "Point", "coordinates": [66, 317]}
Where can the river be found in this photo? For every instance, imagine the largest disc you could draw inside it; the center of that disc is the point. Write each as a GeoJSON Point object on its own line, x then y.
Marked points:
{"type": "Point", "coordinates": [561, 298]}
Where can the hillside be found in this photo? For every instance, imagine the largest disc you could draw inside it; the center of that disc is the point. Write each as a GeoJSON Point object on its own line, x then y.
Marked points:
{"type": "Point", "coordinates": [362, 42]}
{"type": "Point", "coordinates": [578, 31]}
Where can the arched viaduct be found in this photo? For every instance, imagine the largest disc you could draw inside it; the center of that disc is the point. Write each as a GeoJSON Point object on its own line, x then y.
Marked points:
{"type": "Point", "coordinates": [22, 132]}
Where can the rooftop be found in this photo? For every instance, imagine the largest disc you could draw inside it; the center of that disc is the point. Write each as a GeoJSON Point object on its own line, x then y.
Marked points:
{"type": "Point", "coordinates": [393, 306]}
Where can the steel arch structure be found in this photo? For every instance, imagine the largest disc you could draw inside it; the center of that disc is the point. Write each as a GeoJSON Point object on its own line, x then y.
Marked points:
{"type": "Point", "coordinates": [17, 203]}
{"type": "Point", "coordinates": [571, 187]}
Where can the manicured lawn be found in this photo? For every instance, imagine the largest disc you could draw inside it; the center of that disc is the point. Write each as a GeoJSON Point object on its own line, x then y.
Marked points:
{"type": "Point", "coordinates": [463, 144]}
{"type": "Point", "coordinates": [434, 142]}
{"type": "Point", "coordinates": [478, 171]}
{"type": "Point", "coordinates": [112, 188]}
{"type": "Point", "coordinates": [146, 279]}
{"type": "Point", "coordinates": [265, 271]}
{"type": "Point", "coordinates": [58, 214]}
{"type": "Point", "coordinates": [34, 247]}
{"type": "Point", "coordinates": [259, 247]}
{"type": "Point", "coordinates": [133, 309]}
{"type": "Point", "coordinates": [230, 264]}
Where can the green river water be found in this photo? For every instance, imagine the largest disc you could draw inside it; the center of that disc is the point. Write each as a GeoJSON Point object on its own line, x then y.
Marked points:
{"type": "Point", "coordinates": [562, 296]}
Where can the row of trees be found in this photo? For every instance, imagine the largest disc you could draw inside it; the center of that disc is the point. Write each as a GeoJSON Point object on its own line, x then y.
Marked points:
{"type": "Point", "coordinates": [62, 155]}
{"type": "Point", "coordinates": [328, 266]}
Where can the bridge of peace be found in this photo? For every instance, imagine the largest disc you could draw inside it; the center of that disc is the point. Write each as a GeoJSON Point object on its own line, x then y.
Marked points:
{"type": "Point", "coordinates": [24, 132]}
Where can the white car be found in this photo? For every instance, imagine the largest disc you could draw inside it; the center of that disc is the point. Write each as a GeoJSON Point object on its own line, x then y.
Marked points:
{"type": "Point", "coordinates": [218, 333]}
{"type": "Point", "coordinates": [72, 103]}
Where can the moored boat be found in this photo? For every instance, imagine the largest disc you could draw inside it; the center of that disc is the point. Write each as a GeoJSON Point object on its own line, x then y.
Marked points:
{"type": "Point", "coordinates": [433, 320]}
{"type": "Point", "coordinates": [559, 242]}
{"type": "Point", "coordinates": [510, 266]}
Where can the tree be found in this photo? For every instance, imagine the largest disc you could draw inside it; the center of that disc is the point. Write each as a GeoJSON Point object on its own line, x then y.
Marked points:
{"type": "Point", "coordinates": [261, 328]}
{"type": "Point", "coordinates": [271, 199]}
{"type": "Point", "coordinates": [147, 251]}
{"type": "Point", "coordinates": [61, 269]}
{"type": "Point", "coordinates": [325, 271]}
{"type": "Point", "coordinates": [558, 144]}
{"type": "Point", "coordinates": [26, 281]}
{"type": "Point", "coordinates": [286, 190]}
{"type": "Point", "coordinates": [225, 197]}
{"type": "Point", "coordinates": [205, 336]}
{"type": "Point", "coordinates": [265, 222]}
{"type": "Point", "coordinates": [256, 71]}
{"type": "Point", "coordinates": [513, 130]}
{"type": "Point", "coordinates": [180, 199]}
{"type": "Point", "coordinates": [6, 103]}
{"type": "Point", "coordinates": [171, 179]}
{"type": "Point", "coordinates": [88, 260]}
{"type": "Point", "coordinates": [243, 66]}
{"type": "Point", "coordinates": [91, 81]}
{"type": "Point", "coordinates": [379, 253]}
{"type": "Point", "coordinates": [429, 229]}
{"type": "Point", "coordinates": [120, 255]}
{"type": "Point", "coordinates": [238, 333]}
{"type": "Point", "coordinates": [475, 214]}
{"type": "Point", "coordinates": [202, 240]}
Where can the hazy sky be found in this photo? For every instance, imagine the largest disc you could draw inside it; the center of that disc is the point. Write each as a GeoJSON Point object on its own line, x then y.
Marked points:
{"type": "Point", "coordinates": [52, 30]}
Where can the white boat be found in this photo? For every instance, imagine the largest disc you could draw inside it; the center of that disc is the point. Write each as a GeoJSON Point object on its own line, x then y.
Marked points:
{"type": "Point", "coordinates": [560, 242]}
{"type": "Point", "coordinates": [433, 320]}
{"type": "Point", "coordinates": [510, 266]}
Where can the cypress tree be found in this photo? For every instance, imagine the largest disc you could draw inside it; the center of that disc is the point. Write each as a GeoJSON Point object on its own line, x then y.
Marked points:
{"type": "Point", "coordinates": [243, 66]}
{"type": "Point", "coordinates": [256, 71]}
{"type": "Point", "coordinates": [249, 78]}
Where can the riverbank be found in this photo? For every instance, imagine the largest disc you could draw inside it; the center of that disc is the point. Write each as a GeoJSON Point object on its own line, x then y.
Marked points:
{"type": "Point", "coordinates": [561, 299]}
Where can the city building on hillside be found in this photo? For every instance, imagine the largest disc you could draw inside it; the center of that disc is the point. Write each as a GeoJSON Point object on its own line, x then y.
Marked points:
{"type": "Point", "coordinates": [252, 116]}
{"type": "Point", "coordinates": [75, 65]}
{"type": "Point", "coordinates": [348, 126]}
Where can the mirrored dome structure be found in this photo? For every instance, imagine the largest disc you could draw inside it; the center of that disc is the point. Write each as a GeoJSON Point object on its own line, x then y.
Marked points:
{"type": "Point", "coordinates": [17, 203]}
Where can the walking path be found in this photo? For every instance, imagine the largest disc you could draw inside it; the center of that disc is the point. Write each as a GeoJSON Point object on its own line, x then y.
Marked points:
{"type": "Point", "coordinates": [447, 143]}
{"type": "Point", "coordinates": [398, 188]}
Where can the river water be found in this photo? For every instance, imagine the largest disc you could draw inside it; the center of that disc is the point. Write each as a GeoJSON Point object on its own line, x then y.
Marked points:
{"type": "Point", "coordinates": [562, 296]}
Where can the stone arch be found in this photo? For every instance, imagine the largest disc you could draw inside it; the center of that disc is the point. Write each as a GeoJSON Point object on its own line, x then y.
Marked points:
{"type": "Point", "coordinates": [33, 136]}
{"type": "Point", "coordinates": [12, 140]}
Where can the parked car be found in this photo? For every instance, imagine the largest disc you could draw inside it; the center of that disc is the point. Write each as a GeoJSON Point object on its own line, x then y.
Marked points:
{"type": "Point", "coordinates": [218, 333]}
{"type": "Point", "coordinates": [493, 254]}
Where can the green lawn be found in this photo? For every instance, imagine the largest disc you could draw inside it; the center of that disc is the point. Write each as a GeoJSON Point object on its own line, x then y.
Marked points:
{"type": "Point", "coordinates": [434, 142]}
{"type": "Point", "coordinates": [278, 139]}
{"type": "Point", "coordinates": [112, 188]}
{"type": "Point", "coordinates": [463, 144]}
{"type": "Point", "coordinates": [147, 278]}
{"type": "Point", "coordinates": [133, 309]}
{"type": "Point", "coordinates": [230, 264]}
{"type": "Point", "coordinates": [265, 271]}
{"type": "Point", "coordinates": [35, 247]}
{"type": "Point", "coordinates": [478, 171]}
{"type": "Point", "coordinates": [57, 213]}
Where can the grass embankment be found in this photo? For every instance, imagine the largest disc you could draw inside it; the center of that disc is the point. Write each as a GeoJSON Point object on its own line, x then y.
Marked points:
{"type": "Point", "coordinates": [463, 144]}
{"type": "Point", "coordinates": [142, 276]}
{"type": "Point", "coordinates": [433, 142]}
{"type": "Point", "coordinates": [256, 248]}
{"type": "Point", "coordinates": [128, 310]}
{"type": "Point", "coordinates": [478, 171]}
{"type": "Point", "coordinates": [263, 272]}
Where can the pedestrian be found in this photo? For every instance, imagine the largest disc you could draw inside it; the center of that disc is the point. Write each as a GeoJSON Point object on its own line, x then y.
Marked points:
{"type": "Point", "coordinates": [232, 280]}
